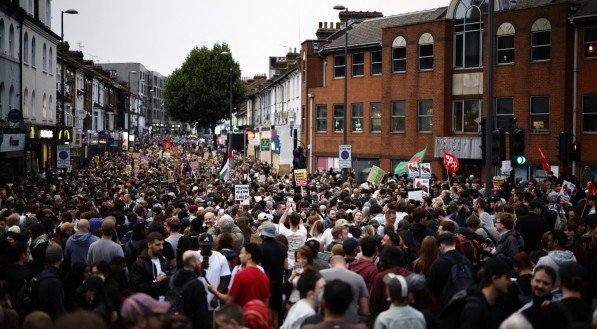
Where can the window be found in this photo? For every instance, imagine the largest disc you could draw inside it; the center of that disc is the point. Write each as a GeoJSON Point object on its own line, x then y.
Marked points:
{"type": "Point", "coordinates": [48, 13]}
{"type": "Point", "coordinates": [398, 116]}
{"type": "Point", "coordinates": [505, 44]}
{"type": "Point", "coordinates": [2, 37]}
{"type": "Point", "coordinates": [589, 113]}
{"type": "Point", "coordinates": [426, 52]}
{"type": "Point", "coordinates": [30, 6]}
{"type": "Point", "coordinates": [26, 48]}
{"type": "Point", "coordinates": [44, 59]}
{"type": "Point", "coordinates": [466, 115]}
{"type": "Point", "coordinates": [375, 117]}
{"type": "Point", "coordinates": [399, 55]}
{"type": "Point", "coordinates": [541, 40]}
{"type": "Point", "coordinates": [33, 51]}
{"type": "Point", "coordinates": [357, 117]}
{"type": "Point", "coordinates": [26, 103]}
{"type": "Point", "coordinates": [590, 42]}
{"type": "Point", "coordinates": [44, 104]}
{"type": "Point", "coordinates": [11, 41]}
{"type": "Point", "coordinates": [539, 113]}
{"type": "Point", "coordinates": [33, 106]}
{"type": "Point", "coordinates": [51, 61]}
{"type": "Point", "coordinates": [425, 111]}
{"type": "Point", "coordinates": [11, 98]}
{"type": "Point", "coordinates": [504, 112]}
{"type": "Point", "coordinates": [468, 30]}
{"type": "Point", "coordinates": [339, 66]}
{"type": "Point", "coordinates": [321, 118]}
{"type": "Point", "coordinates": [338, 117]}
{"type": "Point", "coordinates": [376, 62]}
{"type": "Point", "coordinates": [358, 64]}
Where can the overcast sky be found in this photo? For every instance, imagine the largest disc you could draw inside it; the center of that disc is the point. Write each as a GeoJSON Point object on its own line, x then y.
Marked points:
{"type": "Point", "coordinates": [160, 34]}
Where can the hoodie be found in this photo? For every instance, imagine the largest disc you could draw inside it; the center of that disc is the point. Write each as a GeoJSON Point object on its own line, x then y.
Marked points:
{"type": "Point", "coordinates": [77, 247]}
{"type": "Point", "coordinates": [556, 258]}
{"type": "Point", "coordinates": [364, 268]}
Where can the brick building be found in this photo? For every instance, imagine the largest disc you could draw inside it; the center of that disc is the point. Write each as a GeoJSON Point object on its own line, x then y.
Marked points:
{"type": "Point", "coordinates": [419, 80]}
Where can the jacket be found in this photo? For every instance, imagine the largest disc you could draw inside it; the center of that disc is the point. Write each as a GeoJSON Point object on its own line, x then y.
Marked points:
{"type": "Point", "coordinates": [194, 298]}
{"type": "Point", "coordinates": [439, 272]}
{"type": "Point", "coordinates": [144, 273]}
{"type": "Point", "coordinates": [364, 268]}
{"type": "Point", "coordinates": [77, 247]}
{"type": "Point", "coordinates": [509, 245]}
{"type": "Point", "coordinates": [133, 249]}
{"type": "Point", "coordinates": [51, 292]}
{"type": "Point", "coordinates": [531, 227]}
{"type": "Point", "coordinates": [420, 231]}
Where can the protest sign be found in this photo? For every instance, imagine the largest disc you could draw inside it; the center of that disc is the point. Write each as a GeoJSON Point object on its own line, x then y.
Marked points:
{"type": "Point", "coordinates": [241, 194]}
{"type": "Point", "coordinates": [375, 175]}
{"type": "Point", "coordinates": [300, 177]}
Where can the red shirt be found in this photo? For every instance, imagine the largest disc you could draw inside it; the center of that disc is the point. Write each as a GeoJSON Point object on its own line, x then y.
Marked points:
{"type": "Point", "coordinates": [250, 283]}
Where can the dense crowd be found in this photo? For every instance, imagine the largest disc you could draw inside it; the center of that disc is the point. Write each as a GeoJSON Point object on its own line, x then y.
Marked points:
{"type": "Point", "coordinates": [155, 239]}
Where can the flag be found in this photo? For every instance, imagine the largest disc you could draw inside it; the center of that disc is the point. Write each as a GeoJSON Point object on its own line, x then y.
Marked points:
{"type": "Point", "coordinates": [226, 167]}
{"type": "Point", "coordinates": [418, 157]}
{"type": "Point", "coordinates": [167, 144]}
{"type": "Point", "coordinates": [544, 163]}
{"type": "Point", "coordinates": [451, 162]}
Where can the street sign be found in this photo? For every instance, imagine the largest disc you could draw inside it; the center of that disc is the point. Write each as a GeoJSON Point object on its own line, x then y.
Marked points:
{"type": "Point", "coordinates": [265, 144]}
{"type": "Point", "coordinates": [242, 195]}
{"type": "Point", "coordinates": [345, 156]}
{"type": "Point", "coordinates": [63, 156]}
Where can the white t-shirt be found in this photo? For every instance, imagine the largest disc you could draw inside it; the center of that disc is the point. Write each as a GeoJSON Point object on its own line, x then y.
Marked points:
{"type": "Point", "coordinates": [295, 241]}
{"type": "Point", "coordinates": [218, 267]}
{"type": "Point", "coordinates": [326, 237]}
{"type": "Point", "coordinates": [158, 266]}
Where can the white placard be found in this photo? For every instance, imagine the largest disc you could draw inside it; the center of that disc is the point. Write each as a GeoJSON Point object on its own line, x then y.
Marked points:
{"type": "Point", "coordinates": [425, 170]}
{"type": "Point", "coordinates": [423, 184]}
{"type": "Point", "coordinates": [242, 195]}
{"type": "Point", "coordinates": [415, 195]}
{"type": "Point", "coordinates": [413, 169]}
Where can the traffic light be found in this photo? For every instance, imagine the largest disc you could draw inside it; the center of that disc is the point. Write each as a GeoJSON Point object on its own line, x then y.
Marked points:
{"type": "Point", "coordinates": [517, 146]}
{"type": "Point", "coordinates": [483, 136]}
{"type": "Point", "coordinates": [575, 152]}
{"type": "Point", "coordinates": [562, 147]}
{"type": "Point", "coordinates": [498, 151]}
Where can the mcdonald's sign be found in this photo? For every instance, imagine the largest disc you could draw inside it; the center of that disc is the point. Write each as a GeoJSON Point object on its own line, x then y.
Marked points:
{"type": "Point", "coordinates": [64, 135]}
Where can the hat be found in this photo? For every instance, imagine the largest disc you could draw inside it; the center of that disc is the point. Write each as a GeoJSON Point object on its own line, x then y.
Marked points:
{"type": "Point", "coordinates": [92, 283]}
{"type": "Point", "coordinates": [57, 198]}
{"type": "Point", "coordinates": [341, 222]}
{"type": "Point", "coordinates": [497, 267]}
{"type": "Point", "coordinates": [256, 315]}
{"type": "Point", "coordinates": [206, 239]}
{"type": "Point", "coordinates": [141, 305]}
{"type": "Point", "coordinates": [53, 253]}
{"type": "Point", "coordinates": [268, 230]}
{"type": "Point", "coordinates": [193, 208]}
{"type": "Point", "coordinates": [553, 197]}
{"type": "Point", "coordinates": [314, 245]}
{"type": "Point", "coordinates": [263, 216]}
{"type": "Point", "coordinates": [195, 188]}
{"type": "Point", "coordinates": [416, 282]}
{"type": "Point", "coordinates": [350, 245]}
{"type": "Point", "coordinates": [397, 285]}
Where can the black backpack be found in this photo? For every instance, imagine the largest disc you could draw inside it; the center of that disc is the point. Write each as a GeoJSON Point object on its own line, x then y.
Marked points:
{"type": "Point", "coordinates": [449, 317]}
{"type": "Point", "coordinates": [174, 296]}
{"type": "Point", "coordinates": [461, 278]}
{"type": "Point", "coordinates": [29, 293]}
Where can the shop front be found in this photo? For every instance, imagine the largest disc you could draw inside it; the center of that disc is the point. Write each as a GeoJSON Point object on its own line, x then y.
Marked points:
{"type": "Point", "coordinates": [12, 154]}
{"type": "Point", "coordinates": [40, 146]}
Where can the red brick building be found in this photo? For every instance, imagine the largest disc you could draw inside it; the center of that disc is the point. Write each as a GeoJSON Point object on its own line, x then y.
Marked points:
{"type": "Point", "coordinates": [419, 80]}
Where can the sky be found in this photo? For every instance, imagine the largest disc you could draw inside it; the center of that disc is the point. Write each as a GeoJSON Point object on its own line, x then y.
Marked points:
{"type": "Point", "coordinates": [160, 34]}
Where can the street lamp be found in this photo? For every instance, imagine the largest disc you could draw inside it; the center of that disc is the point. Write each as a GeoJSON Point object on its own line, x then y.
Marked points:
{"type": "Point", "coordinates": [129, 117]}
{"type": "Point", "coordinates": [226, 53]}
{"type": "Point", "coordinates": [70, 12]}
{"type": "Point", "coordinates": [345, 128]}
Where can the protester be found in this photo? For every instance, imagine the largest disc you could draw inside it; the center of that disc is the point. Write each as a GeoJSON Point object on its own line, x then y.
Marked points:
{"type": "Point", "coordinates": [400, 314]}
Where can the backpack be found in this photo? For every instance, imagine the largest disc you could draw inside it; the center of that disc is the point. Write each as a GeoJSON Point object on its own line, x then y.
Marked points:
{"type": "Point", "coordinates": [174, 296]}
{"type": "Point", "coordinates": [518, 238]}
{"type": "Point", "coordinates": [449, 317]}
{"type": "Point", "coordinates": [461, 277]}
{"type": "Point", "coordinates": [29, 293]}
{"type": "Point", "coordinates": [560, 216]}
{"type": "Point", "coordinates": [571, 323]}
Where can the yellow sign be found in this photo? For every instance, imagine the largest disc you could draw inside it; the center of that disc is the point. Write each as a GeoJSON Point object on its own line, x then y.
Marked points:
{"type": "Point", "coordinates": [64, 133]}
{"type": "Point", "coordinates": [301, 177]}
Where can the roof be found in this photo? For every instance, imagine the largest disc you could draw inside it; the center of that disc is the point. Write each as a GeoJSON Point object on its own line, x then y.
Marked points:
{"type": "Point", "coordinates": [369, 31]}
{"type": "Point", "coordinates": [588, 8]}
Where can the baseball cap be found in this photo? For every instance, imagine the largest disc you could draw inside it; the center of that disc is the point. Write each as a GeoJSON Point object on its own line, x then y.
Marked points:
{"type": "Point", "coordinates": [374, 222]}
{"type": "Point", "coordinates": [397, 285]}
{"type": "Point", "coordinates": [268, 230]}
{"type": "Point", "coordinates": [350, 245]}
{"type": "Point", "coordinates": [341, 222]}
{"type": "Point", "coordinates": [205, 239]}
{"type": "Point", "coordinates": [141, 305]}
{"type": "Point", "coordinates": [264, 216]}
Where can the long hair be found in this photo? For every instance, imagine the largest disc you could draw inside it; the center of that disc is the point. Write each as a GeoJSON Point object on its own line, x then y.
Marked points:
{"type": "Point", "coordinates": [427, 254]}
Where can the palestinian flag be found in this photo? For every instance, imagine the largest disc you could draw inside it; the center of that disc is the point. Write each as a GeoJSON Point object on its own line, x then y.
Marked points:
{"type": "Point", "coordinates": [226, 167]}
{"type": "Point", "coordinates": [418, 157]}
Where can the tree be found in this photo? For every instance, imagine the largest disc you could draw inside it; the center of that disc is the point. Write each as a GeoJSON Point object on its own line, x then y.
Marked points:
{"type": "Point", "coordinates": [198, 92]}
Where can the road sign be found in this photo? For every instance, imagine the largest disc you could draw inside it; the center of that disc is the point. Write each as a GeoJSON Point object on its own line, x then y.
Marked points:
{"type": "Point", "coordinates": [63, 156]}
{"type": "Point", "coordinates": [345, 155]}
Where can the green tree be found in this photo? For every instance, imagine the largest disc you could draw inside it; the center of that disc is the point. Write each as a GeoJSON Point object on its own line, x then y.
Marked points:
{"type": "Point", "coordinates": [198, 92]}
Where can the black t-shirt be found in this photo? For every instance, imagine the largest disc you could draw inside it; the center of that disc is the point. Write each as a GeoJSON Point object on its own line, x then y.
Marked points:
{"type": "Point", "coordinates": [274, 254]}
{"type": "Point", "coordinates": [578, 309]}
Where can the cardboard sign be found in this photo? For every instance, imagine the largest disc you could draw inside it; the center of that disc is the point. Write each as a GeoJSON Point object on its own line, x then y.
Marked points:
{"type": "Point", "coordinates": [423, 184]}
{"type": "Point", "coordinates": [375, 175]}
{"type": "Point", "coordinates": [413, 169]}
{"type": "Point", "coordinates": [301, 177]}
{"type": "Point", "coordinates": [425, 170]}
{"type": "Point", "coordinates": [415, 195]}
{"type": "Point", "coordinates": [498, 181]}
{"type": "Point", "coordinates": [566, 190]}
{"type": "Point", "coordinates": [242, 195]}
{"type": "Point", "coordinates": [171, 177]}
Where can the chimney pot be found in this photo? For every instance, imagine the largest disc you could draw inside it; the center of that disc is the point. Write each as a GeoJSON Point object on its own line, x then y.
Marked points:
{"type": "Point", "coordinates": [320, 24]}
{"type": "Point", "coordinates": [337, 25]}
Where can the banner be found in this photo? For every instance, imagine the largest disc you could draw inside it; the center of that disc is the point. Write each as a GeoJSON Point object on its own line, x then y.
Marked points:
{"type": "Point", "coordinates": [498, 181]}
{"type": "Point", "coordinates": [300, 177]}
{"type": "Point", "coordinates": [242, 195]}
{"type": "Point", "coordinates": [451, 162]}
{"type": "Point", "coordinates": [375, 175]}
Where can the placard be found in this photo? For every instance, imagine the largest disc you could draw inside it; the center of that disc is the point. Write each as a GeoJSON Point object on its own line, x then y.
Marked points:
{"type": "Point", "coordinates": [567, 190]}
{"type": "Point", "coordinates": [425, 171]}
{"type": "Point", "coordinates": [301, 177]}
{"type": "Point", "coordinates": [415, 195]}
{"type": "Point", "coordinates": [423, 184]}
{"type": "Point", "coordinates": [413, 169]}
{"type": "Point", "coordinates": [375, 175]}
{"type": "Point", "coordinates": [498, 181]}
{"type": "Point", "coordinates": [242, 195]}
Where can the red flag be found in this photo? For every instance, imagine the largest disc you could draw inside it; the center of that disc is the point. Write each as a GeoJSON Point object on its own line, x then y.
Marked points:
{"type": "Point", "coordinates": [167, 145]}
{"type": "Point", "coordinates": [450, 162]}
{"type": "Point", "coordinates": [544, 163]}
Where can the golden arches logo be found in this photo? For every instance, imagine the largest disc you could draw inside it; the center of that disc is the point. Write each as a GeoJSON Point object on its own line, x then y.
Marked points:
{"type": "Point", "coordinates": [32, 132]}
{"type": "Point", "coordinates": [64, 133]}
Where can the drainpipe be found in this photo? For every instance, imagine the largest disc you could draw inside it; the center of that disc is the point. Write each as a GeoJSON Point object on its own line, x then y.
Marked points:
{"type": "Point", "coordinates": [574, 89]}
{"type": "Point", "coordinates": [311, 96]}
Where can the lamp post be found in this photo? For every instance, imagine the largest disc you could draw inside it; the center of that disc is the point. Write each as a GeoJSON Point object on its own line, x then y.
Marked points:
{"type": "Point", "coordinates": [489, 122]}
{"type": "Point", "coordinates": [129, 117]}
{"type": "Point", "coordinates": [71, 12]}
{"type": "Point", "coordinates": [345, 128]}
{"type": "Point", "coordinates": [226, 53]}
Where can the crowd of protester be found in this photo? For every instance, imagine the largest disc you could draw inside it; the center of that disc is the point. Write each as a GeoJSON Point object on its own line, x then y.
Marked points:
{"type": "Point", "coordinates": [155, 239]}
